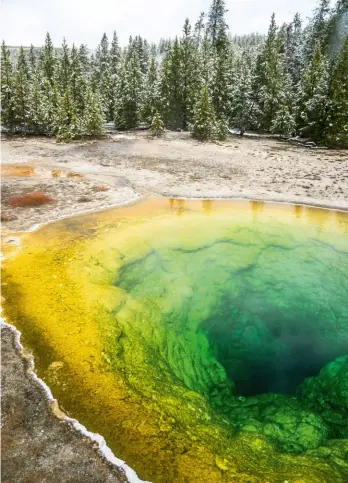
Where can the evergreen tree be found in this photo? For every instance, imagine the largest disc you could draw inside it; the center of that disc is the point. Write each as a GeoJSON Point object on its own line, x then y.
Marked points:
{"type": "Point", "coordinates": [32, 63]}
{"type": "Point", "coordinates": [313, 97]}
{"type": "Point", "coordinates": [242, 112]}
{"type": "Point", "coordinates": [48, 59]}
{"type": "Point", "coordinates": [142, 49]}
{"type": "Point", "coordinates": [107, 92]}
{"type": "Point", "coordinates": [220, 129]}
{"type": "Point", "coordinates": [100, 62]}
{"type": "Point", "coordinates": [37, 109]}
{"type": "Point", "coordinates": [216, 20]}
{"type": "Point", "coordinates": [204, 123]}
{"type": "Point", "coordinates": [77, 81]}
{"type": "Point", "coordinates": [102, 56]}
{"type": "Point", "coordinates": [65, 124]}
{"type": "Point", "coordinates": [151, 93]}
{"type": "Point", "coordinates": [7, 80]}
{"type": "Point", "coordinates": [20, 97]}
{"type": "Point", "coordinates": [92, 120]}
{"type": "Point", "coordinates": [292, 80]}
{"type": "Point", "coordinates": [284, 121]}
{"type": "Point", "coordinates": [199, 29]}
{"type": "Point", "coordinates": [293, 50]}
{"type": "Point", "coordinates": [129, 93]}
{"type": "Point", "coordinates": [50, 96]}
{"type": "Point", "coordinates": [190, 75]}
{"type": "Point", "coordinates": [269, 78]}
{"type": "Point", "coordinates": [205, 57]}
{"type": "Point", "coordinates": [337, 121]}
{"type": "Point", "coordinates": [220, 87]}
{"type": "Point", "coordinates": [63, 71]}
{"type": "Point", "coordinates": [157, 125]}
{"type": "Point", "coordinates": [115, 56]}
{"type": "Point", "coordinates": [338, 27]}
{"type": "Point", "coordinates": [114, 67]}
{"type": "Point", "coordinates": [318, 29]}
{"type": "Point", "coordinates": [84, 59]}
{"type": "Point", "coordinates": [175, 86]}
{"type": "Point", "coordinates": [165, 88]}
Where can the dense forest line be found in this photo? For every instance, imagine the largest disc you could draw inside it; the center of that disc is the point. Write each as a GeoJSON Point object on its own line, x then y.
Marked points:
{"type": "Point", "coordinates": [292, 81]}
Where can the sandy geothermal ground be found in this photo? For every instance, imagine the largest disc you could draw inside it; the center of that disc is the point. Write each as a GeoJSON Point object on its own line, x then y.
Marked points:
{"type": "Point", "coordinates": [123, 168]}
{"type": "Point", "coordinates": [132, 166]}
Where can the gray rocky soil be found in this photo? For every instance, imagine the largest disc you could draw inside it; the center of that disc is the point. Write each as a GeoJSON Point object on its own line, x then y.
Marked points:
{"type": "Point", "coordinates": [37, 447]}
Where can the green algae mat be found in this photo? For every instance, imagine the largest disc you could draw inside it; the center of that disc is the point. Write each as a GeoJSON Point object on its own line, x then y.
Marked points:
{"type": "Point", "coordinates": [206, 341]}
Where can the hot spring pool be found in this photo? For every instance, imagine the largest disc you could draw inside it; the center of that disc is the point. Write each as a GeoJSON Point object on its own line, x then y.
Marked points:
{"type": "Point", "coordinates": [206, 341]}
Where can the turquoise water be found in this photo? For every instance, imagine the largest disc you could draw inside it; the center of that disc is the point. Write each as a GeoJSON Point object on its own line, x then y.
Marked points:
{"type": "Point", "coordinates": [206, 341]}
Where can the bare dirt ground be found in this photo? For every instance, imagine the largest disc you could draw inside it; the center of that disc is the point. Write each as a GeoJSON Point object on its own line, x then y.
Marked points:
{"type": "Point", "coordinates": [82, 176]}
{"type": "Point", "coordinates": [131, 166]}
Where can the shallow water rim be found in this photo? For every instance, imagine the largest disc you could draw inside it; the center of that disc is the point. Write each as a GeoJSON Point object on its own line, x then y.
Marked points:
{"type": "Point", "coordinates": [143, 198]}
{"type": "Point", "coordinates": [53, 405]}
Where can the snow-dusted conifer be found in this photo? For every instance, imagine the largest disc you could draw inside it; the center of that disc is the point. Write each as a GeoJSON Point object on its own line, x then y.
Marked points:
{"type": "Point", "coordinates": [220, 87]}
{"type": "Point", "coordinates": [175, 86]}
{"type": "Point", "coordinates": [284, 120]}
{"type": "Point", "coordinates": [84, 59]}
{"type": "Point", "coordinates": [129, 93]}
{"type": "Point", "coordinates": [92, 120]}
{"type": "Point", "coordinates": [20, 97]}
{"type": "Point", "coordinates": [336, 131]}
{"type": "Point", "coordinates": [318, 29]}
{"type": "Point", "coordinates": [204, 122]}
{"type": "Point", "coordinates": [32, 63]}
{"type": "Point", "coordinates": [242, 108]}
{"type": "Point", "coordinates": [165, 88]}
{"type": "Point", "coordinates": [199, 29]}
{"type": "Point", "coordinates": [313, 99]}
{"type": "Point", "coordinates": [7, 81]}
{"type": "Point", "coordinates": [151, 92]}
{"type": "Point", "coordinates": [115, 55]}
{"type": "Point", "coordinates": [37, 109]}
{"type": "Point", "coordinates": [47, 60]}
{"type": "Point", "coordinates": [216, 20]}
{"type": "Point", "coordinates": [220, 129]}
{"type": "Point", "coordinates": [77, 81]}
{"type": "Point", "coordinates": [190, 75]}
{"type": "Point", "coordinates": [294, 50]}
{"type": "Point", "coordinates": [63, 71]}
{"type": "Point", "coordinates": [65, 124]}
{"type": "Point", "coordinates": [269, 78]}
{"type": "Point", "coordinates": [157, 125]}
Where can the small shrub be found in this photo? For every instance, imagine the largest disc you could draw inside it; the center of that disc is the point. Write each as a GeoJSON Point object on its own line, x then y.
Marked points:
{"type": "Point", "coordinates": [101, 188]}
{"type": "Point", "coordinates": [31, 199]}
{"type": "Point", "coordinates": [157, 125]}
{"type": "Point", "coordinates": [220, 130]}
